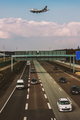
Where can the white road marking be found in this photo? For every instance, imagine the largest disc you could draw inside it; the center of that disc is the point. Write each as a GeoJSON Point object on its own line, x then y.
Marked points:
{"type": "Point", "coordinates": [51, 118]}
{"type": "Point", "coordinates": [41, 84]}
{"type": "Point", "coordinates": [39, 80]}
{"type": "Point", "coordinates": [54, 83]}
{"type": "Point", "coordinates": [25, 118]}
{"type": "Point", "coordinates": [49, 106]}
{"type": "Point", "coordinates": [60, 89]}
{"type": "Point", "coordinates": [29, 81]}
{"type": "Point", "coordinates": [22, 72]}
{"type": "Point", "coordinates": [26, 106]}
{"type": "Point", "coordinates": [45, 96]}
{"type": "Point", "coordinates": [29, 78]}
{"type": "Point", "coordinates": [28, 85]}
{"type": "Point", "coordinates": [7, 100]}
{"type": "Point", "coordinates": [42, 89]}
{"type": "Point", "coordinates": [27, 96]}
{"type": "Point", "coordinates": [54, 118]}
{"type": "Point", "coordinates": [28, 90]}
{"type": "Point", "coordinates": [69, 99]}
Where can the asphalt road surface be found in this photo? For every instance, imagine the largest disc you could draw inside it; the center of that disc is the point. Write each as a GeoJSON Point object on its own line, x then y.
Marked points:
{"type": "Point", "coordinates": [54, 91]}
{"type": "Point", "coordinates": [27, 104]}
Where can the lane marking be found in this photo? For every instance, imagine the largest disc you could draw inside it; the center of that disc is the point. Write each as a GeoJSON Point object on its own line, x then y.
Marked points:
{"type": "Point", "coordinates": [45, 95]}
{"type": "Point", "coordinates": [28, 96]}
{"type": "Point", "coordinates": [23, 72]}
{"type": "Point", "coordinates": [28, 85]}
{"type": "Point", "coordinates": [60, 89]}
{"type": "Point", "coordinates": [25, 118]}
{"type": "Point", "coordinates": [54, 118]}
{"type": "Point", "coordinates": [7, 100]}
{"type": "Point", "coordinates": [51, 118]}
{"type": "Point", "coordinates": [69, 99]}
{"type": "Point", "coordinates": [49, 106]}
{"type": "Point", "coordinates": [39, 80]}
{"type": "Point", "coordinates": [29, 78]}
{"type": "Point", "coordinates": [42, 89]}
{"type": "Point", "coordinates": [68, 82]}
{"type": "Point", "coordinates": [26, 106]}
{"type": "Point", "coordinates": [28, 90]}
{"type": "Point", "coordinates": [54, 83]}
{"type": "Point", "coordinates": [41, 84]}
{"type": "Point", "coordinates": [29, 81]}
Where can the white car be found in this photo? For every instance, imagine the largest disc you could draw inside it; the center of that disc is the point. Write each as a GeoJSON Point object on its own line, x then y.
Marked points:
{"type": "Point", "coordinates": [64, 104]}
{"type": "Point", "coordinates": [20, 84]}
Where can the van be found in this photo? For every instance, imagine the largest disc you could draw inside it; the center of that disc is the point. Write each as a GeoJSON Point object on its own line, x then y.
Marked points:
{"type": "Point", "coordinates": [20, 84]}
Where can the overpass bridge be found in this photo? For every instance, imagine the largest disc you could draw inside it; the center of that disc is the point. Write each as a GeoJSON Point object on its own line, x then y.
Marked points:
{"type": "Point", "coordinates": [41, 55]}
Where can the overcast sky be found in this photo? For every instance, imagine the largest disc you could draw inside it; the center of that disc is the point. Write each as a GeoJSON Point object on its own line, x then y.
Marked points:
{"type": "Point", "coordinates": [58, 28]}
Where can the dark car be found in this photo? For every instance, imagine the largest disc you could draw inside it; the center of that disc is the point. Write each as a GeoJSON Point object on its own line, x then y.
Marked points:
{"type": "Point", "coordinates": [55, 68]}
{"type": "Point", "coordinates": [33, 81]}
{"type": "Point", "coordinates": [75, 89]}
{"type": "Point", "coordinates": [32, 70]}
{"type": "Point", "coordinates": [62, 80]}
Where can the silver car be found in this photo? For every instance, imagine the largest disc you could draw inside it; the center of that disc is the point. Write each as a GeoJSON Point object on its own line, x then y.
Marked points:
{"type": "Point", "coordinates": [64, 104]}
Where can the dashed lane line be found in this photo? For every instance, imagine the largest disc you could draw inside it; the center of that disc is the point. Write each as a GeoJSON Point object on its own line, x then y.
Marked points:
{"type": "Point", "coordinates": [45, 95]}
{"type": "Point", "coordinates": [60, 89]}
{"type": "Point", "coordinates": [27, 96]}
{"type": "Point", "coordinates": [28, 90]}
{"type": "Point", "coordinates": [49, 105]}
{"type": "Point", "coordinates": [42, 89]}
{"type": "Point", "coordinates": [41, 84]}
{"type": "Point", "coordinates": [26, 106]}
{"type": "Point", "coordinates": [25, 118]}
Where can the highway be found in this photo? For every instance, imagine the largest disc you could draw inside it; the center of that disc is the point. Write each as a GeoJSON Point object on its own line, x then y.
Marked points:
{"type": "Point", "coordinates": [39, 102]}
{"type": "Point", "coordinates": [54, 91]}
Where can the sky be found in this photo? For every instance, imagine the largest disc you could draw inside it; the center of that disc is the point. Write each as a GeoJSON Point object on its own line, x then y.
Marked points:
{"type": "Point", "coordinates": [21, 30]}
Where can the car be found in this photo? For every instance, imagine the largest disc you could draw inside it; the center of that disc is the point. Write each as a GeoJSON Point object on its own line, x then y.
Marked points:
{"type": "Point", "coordinates": [64, 104]}
{"type": "Point", "coordinates": [75, 89]}
{"type": "Point", "coordinates": [32, 70]}
{"type": "Point", "coordinates": [33, 81]}
{"type": "Point", "coordinates": [55, 68]}
{"type": "Point", "coordinates": [20, 84]}
{"type": "Point", "coordinates": [62, 80]}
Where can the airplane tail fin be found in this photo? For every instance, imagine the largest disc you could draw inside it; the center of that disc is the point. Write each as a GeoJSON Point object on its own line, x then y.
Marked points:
{"type": "Point", "coordinates": [45, 7]}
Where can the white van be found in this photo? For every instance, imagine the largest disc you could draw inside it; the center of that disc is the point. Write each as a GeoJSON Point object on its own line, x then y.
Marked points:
{"type": "Point", "coordinates": [20, 84]}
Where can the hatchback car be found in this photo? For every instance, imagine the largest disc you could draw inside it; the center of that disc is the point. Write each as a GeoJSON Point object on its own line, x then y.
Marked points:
{"type": "Point", "coordinates": [20, 84]}
{"type": "Point", "coordinates": [62, 80]}
{"type": "Point", "coordinates": [64, 104]}
{"type": "Point", "coordinates": [32, 70]}
{"type": "Point", "coordinates": [75, 89]}
{"type": "Point", "coordinates": [33, 81]}
{"type": "Point", "coordinates": [55, 68]}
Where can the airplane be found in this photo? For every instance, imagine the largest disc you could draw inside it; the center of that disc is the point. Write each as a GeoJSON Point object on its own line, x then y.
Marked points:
{"type": "Point", "coordinates": [38, 10]}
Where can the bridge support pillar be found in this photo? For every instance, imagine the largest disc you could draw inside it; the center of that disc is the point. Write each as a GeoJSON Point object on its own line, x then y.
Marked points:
{"type": "Point", "coordinates": [11, 64]}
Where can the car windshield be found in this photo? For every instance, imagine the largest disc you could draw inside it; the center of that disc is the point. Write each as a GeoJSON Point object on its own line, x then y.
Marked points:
{"type": "Point", "coordinates": [33, 80]}
{"type": "Point", "coordinates": [62, 78]}
{"type": "Point", "coordinates": [19, 83]}
{"type": "Point", "coordinates": [64, 102]}
{"type": "Point", "coordinates": [75, 88]}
